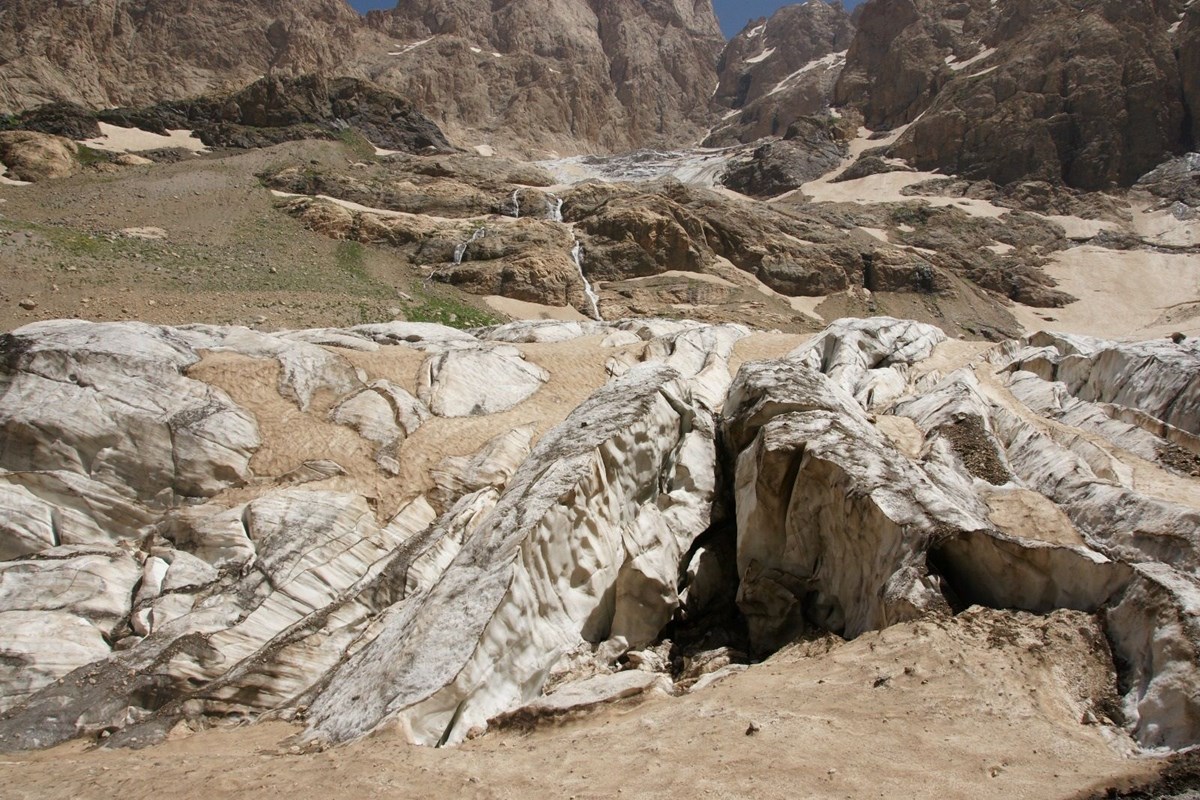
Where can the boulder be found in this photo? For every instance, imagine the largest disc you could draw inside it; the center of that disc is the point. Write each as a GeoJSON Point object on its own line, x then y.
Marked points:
{"type": "Point", "coordinates": [810, 148]}
{"type": "Point", "coordinates": [30, 156]}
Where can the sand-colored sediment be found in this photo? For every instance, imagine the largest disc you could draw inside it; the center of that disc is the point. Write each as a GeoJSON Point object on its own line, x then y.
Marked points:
{"type": "Point", "coordinates": [1078, 228]}
{"type": "Point", "coordinates": [520, 309]}
{"type": "Point", "coordinates": [1164, 229]}
{"type": "Point", "coordinates": [985, 705]}
{"type": "Point", "coordinates": [1123, 294]}
{"type": "Point", "coordinates": [1030, 515]}
{"type": "Point", "coordinates": [886, 188]}
{"type": "Point", "coordinates": [116, 139]}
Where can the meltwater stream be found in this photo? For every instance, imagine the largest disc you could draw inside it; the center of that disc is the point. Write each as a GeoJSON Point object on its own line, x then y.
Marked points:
{"type": "Point", "coordinates": [593, 299]}
{"type": "Point", "coordinates": [554, 212]}
{"type": "Point", "coordinates": [461, 250]}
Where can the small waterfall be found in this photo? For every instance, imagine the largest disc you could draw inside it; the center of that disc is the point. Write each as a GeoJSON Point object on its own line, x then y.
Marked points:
{"type": "Point", "coordinates": [577, 257]}
{"type": "Point", "coordinates": [461, 250]}
{"type": "Point", "coordinates": [516, 204]}
{"type": "Point", "coordinates": [554, 208]}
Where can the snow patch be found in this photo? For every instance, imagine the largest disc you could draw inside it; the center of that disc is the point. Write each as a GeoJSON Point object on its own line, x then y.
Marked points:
{"type": "Point", "coordinates": [957, 65]}
{"type": "Point", "coordinates": [476, 49]}
{"type": "Point", "coordinates": [408, 48]}
{"type": "Point", "coordinates": [756, 31]}
{"type": "Point", "coordinates": [983, 71]}
{"type": "Point", "coordinates": [115, 139]}
{"type": "Point", "coordinates": [827, 61]}
{"type": "Point", "coordinates": [761, 57]}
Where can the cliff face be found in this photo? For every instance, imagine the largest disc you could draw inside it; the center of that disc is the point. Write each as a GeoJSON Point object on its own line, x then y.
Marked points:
{"type": "Point", "coordinates": [779, 69]}
{"type": "Point", "coordinates": [134, 52]}
{"type": "Point", "coordinates": [1087, 93]}
{"type": "Point", "coordinates": [614, 75]}
{"type": "Point", "coordinates": [567, 74]}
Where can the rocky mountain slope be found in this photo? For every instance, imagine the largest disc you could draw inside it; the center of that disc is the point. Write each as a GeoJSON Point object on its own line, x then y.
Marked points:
{"type": "Point", "coordinates": [614, 75]}
{"type": "Point", "coordinates": [562, 75]}
{"type": "Point", "coordinates": [267, 112]}
{"type": "Point", "coordinates": [137, 52]}
{"type": "Point", "coordinates": [779, 69]}
{"type": "Point", "coordinates": [1091, 95]}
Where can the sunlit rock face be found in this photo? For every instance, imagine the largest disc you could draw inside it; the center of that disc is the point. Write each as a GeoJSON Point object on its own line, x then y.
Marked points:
{"type": "Point", "coordinates": [779, 69]}
{"type": "Point", "coordinates": [1087, 96]}
{"type": "Point", "coordinates": [340, 527]}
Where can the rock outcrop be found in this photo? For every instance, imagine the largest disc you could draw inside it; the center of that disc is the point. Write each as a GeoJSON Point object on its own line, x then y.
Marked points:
{"type": "Point", "coordinates": [809, 148]}
{"type": "Point", "coordinates": [1176, 184]}
{"type": "Point", "coordinates": [273, 110]}
{"type": "Point", "coordinates": [493, 227]}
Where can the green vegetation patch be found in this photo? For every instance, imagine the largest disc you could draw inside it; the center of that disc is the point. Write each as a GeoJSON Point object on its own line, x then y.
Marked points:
{"type": "Point", "coordinates": [357, 143]}
{"type": "Point", "coordinates": [87, 156]}
{"type": "Point", "coordinates": [429, 307]}
{"type": "Point", "coordinates": [350, 258]}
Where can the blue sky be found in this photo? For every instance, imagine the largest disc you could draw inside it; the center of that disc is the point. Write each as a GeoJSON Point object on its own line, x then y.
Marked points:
{"type": "Point", "coordinates": [734, 14]}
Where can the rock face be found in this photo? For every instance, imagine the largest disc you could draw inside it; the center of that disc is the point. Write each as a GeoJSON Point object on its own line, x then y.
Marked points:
{"type": "Point", "coordinates": [779, 69]}
{"type": "Point", "coordinates": [118, 53]}
{"type": "Point", "coordinates": [432, 575]}
{"type": "Point", "coordinates": [617, 75]}
{"type": "Point", "coordinates": [564, 75]}
{"type": "Point", "coordinates": [1189, 63]}
{"type": "Point", "coordinates": [1091, 97]}
{"type": "Point", "coordinates": [273, 110]}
